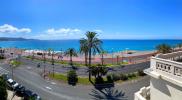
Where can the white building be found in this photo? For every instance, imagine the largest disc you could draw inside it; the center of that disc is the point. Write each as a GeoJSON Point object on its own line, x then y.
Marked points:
{"type": "Point", "coordinates": [166, 78]}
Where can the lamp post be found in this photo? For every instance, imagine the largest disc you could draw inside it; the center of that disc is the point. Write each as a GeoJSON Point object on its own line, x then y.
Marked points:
{"type": "Point", "coordinates": [11, 69]}
{"type": "Point", "coordinates": [122, 57]}
{"type": "Point", "coordinates": [127, 54]}
{"type": "Point", "coordinates": [12, 64]}
{"type": "Point", "coordinates": [44, 63]}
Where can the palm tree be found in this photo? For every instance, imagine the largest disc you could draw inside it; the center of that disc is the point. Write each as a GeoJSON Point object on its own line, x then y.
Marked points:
{"type": "Point", "coordinates": [179, 45]}
{"type": "Point", "coordinates": [102, 53]}
{"type": "Point", "coordinates": [49, 51]}
{"type": "Point", "coordinates": [164, 48]}
{"type": "Point", "coordinates": [117, 57]}
{"type": "Point", "coordinates": [71, 52]}
{"type": "Point", "coordinates": [94, 45]}
{"type": "Point", "coordinates": [33, 55]}
{"type": "Point", "coordinates": [84, 48]}
{"type": "Point", "coordinates": [99, 71]}
{"type": "Point", "coordinates": [44, 60]}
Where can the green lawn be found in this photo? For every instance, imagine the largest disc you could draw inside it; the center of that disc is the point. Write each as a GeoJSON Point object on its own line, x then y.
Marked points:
{"type": "Point", "coordinates": [63, 78]}
{"type": "Point", "coordinates": [85, 80]}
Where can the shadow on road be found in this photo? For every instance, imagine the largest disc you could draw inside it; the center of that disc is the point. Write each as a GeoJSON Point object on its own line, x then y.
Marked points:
{"type": "Point", "coordinates": [108, 94]}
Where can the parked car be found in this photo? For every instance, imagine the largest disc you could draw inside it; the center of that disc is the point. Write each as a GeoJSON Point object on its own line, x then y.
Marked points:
{"type": "Point", "coordinates": [36, 97]}
{"type": "Point", "coordinates": [10, 83]}
{"type": "Point", "coordinates": [5, 77]}
{"type": "Point", "coordinates": [15, 85]}
{"type": "Point", "coordinates": [20, 89]}
{"type": "Point", "coordinates": [27, 94]}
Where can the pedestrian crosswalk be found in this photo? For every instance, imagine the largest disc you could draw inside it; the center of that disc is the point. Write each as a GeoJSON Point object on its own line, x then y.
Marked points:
{"type": "Point", "coordinates": [3, 71]}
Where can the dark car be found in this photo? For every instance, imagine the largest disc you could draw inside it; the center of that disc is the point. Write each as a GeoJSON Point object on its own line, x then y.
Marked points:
{"type": "Point", "coordinates": [20, 89]}
{"type": "Point", "coordinates": [5, 77]}
{"type": "Point", "coordinates": [36, 97]}
{"type": "Point", "coordinates": [27, 94]}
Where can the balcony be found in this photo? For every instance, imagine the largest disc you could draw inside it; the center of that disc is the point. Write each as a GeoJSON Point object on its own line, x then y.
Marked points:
{"type": "Point", "coordinates": [166, 67]}
{"type": "Point", "coordinates": [143, 94]}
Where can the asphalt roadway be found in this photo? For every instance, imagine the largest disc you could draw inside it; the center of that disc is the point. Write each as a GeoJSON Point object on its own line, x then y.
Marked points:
{"type": "Point", "coordinates": [82, 71]}
{"type": "Point", "coordinates": [27, 75]}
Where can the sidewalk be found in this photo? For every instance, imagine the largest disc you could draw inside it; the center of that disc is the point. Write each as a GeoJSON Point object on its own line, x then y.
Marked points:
{"type": "Point", "coordinates": [10, 96]}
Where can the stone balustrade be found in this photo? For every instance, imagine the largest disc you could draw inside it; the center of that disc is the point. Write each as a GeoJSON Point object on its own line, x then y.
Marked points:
{"type": "Point", "coordinates": [163, 67]}
{"type": "Point", "coordinates": [167, 68]}
{"type": "Point", "coordinates": [171, 56]}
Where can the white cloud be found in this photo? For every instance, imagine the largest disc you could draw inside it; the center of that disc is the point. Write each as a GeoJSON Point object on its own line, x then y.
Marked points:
{"type": "Point", "coordinates": [62, 33]}
{"type": "Point", "coordinates": [98, 31]}
{"type": "Point", "coordinates": [6, 28]}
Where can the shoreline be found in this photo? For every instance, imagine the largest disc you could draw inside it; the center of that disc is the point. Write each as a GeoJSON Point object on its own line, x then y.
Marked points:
{"type": "Point", "coordinates": [129, 56]}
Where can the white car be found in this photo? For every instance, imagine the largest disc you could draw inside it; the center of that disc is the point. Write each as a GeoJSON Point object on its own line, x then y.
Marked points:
{"type": "Point", "coordinates": [10, 80]}
{"type": "Point", "coordinates": [12, 84]}
{"type": "Point", "coordinates": [15, 85]}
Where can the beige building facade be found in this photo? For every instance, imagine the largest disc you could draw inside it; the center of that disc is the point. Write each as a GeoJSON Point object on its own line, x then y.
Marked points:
{"type": "Point", "coordinates": [166, 78]}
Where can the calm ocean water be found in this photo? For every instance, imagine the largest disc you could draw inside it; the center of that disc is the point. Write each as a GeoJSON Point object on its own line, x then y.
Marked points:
{"type": "Point", "coordinates": [117, 45]}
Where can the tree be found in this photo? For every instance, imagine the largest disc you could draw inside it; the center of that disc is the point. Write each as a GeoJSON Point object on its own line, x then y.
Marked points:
{"type": "Point", "coordinates": [2, 51]}
{"type": "Point", "coordinates": [72, 77]}
{"type": "Point", "coordinates": [84, 48]}
{"type": "Point", "coordinates": [33, 55]}
{"type": "Point", "coordinates": [117, 58]}
{"type": "Point", "coordinates": [71, 52]}
{"type": "Point", "coordinates": [98, 72]}
{"type": "Point", "coordinates": [3, 92]}
{"type": "Point", "coordinates": [49, 51]}
{"type": "Point", "coordinates": [179, 45]}
{"type": "Point", "coordinates": [164, 48]}
{"type": "Point", "coordinates": [94, 46]}
{"type": "Point", "coordinates": [102, 53]}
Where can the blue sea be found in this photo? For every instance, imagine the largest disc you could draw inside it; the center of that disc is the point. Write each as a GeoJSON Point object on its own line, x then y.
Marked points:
{"type": "Point", "coordinates": [108, 45]}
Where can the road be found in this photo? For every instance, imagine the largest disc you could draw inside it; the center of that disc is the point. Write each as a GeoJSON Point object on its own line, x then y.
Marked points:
{"type": "Point", "coordinates": [82, 71]}
{"type": "Point", "coordinates": [50, 90]}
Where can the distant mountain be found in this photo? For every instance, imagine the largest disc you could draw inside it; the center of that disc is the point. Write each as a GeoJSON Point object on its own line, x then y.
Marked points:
{"type": "Point", "coordinates": [13, 39]}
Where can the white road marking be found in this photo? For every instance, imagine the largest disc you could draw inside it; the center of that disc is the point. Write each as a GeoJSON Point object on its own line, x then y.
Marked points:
{"type": "Point", "coordinates": [53, 83]}
{"type": "Point", "coordinates": [48, 88]}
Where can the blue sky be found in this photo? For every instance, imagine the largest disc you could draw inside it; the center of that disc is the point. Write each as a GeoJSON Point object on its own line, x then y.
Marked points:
{"type": "Point", "coordinates": [111, 19]}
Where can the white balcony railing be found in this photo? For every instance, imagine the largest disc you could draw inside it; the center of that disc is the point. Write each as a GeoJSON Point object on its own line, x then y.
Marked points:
{"type": "Point", "coordinates": [171, 56]}
{"type": "Point", "coordinates": [163, 66]}
{"type": "Point", "coordinates": [167, 68]}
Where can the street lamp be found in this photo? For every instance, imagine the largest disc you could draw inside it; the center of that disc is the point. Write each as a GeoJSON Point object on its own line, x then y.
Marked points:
{"type": "Point", "coordinates": [11, 66]}
{"type": "Point", "coordinates": [127, 54]}
{"type": "Point", "coordinates": [44, 62]}
{"type": "Point", "coordinates": [121, 56]}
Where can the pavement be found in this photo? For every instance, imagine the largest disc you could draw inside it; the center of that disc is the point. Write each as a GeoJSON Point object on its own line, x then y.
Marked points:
{"type": "Point", "coordinates": [11, 96]}
{"type": "Point", "coordinates": [28, 75]}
